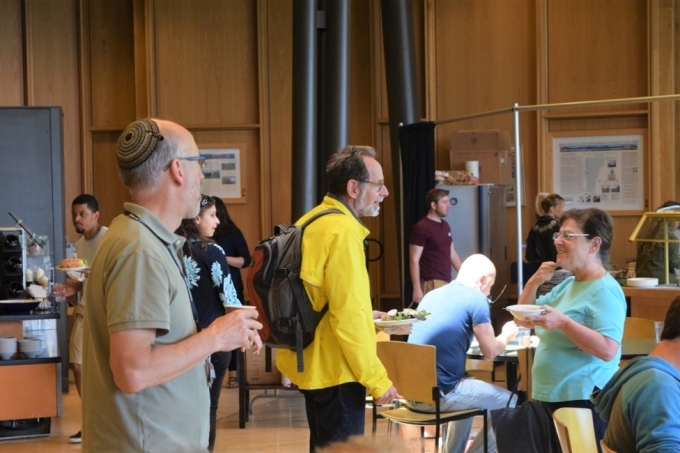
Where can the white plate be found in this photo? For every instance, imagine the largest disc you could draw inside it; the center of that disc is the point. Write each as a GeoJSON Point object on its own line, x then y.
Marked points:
{"type": "Point", "coordinates": [642, 282]}
{"type": "Point", "coordinates": [71, 269]}
{"type": "Point", "coordinates": [403, 322]}
{"type": "Point", "coordinates": [525, 311]}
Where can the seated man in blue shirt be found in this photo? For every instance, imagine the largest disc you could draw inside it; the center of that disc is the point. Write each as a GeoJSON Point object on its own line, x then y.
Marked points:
{"type": "Point", "coordinates": [458, 310]}
{"type": "Point", "coordinates": [641, 402]}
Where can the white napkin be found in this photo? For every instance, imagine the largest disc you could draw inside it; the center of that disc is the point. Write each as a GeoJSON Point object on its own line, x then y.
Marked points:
{"type": "Point", "coordinates": [37, 291]}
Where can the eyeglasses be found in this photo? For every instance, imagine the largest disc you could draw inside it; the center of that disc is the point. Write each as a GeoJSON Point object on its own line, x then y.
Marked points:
{"type": "Point", "coordinates": [491, 301]}
{"type": "Point", "coordinates": [199, 159]}
{"type": "Point", "coordinates": [567, 236]}
{"type": "Point", "coordinates": [206, 200]}
{"type": "Point", "coordinates": [378, 184]}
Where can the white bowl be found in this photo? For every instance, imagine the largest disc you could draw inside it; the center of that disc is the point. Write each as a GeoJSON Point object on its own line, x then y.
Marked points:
{"type": "Point", "coordinates": [525, 312]}
{"type": "Point", "coordinates": [642, 282]}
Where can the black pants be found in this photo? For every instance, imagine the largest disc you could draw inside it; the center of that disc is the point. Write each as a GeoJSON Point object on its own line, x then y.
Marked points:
{"type": "Point", "coordinates": [335, 413]}
{"type": "Point", "coordinates": [220, 361]}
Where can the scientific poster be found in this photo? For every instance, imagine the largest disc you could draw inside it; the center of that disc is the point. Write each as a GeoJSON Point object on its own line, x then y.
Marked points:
{"type": "Point", "coordinates": [603, 172]}
{"type": "Point", "coordinates": [222, 173]}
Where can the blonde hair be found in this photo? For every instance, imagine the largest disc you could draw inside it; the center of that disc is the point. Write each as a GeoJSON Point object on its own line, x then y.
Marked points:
{"type": "Point", "coordinates": [545, 201]}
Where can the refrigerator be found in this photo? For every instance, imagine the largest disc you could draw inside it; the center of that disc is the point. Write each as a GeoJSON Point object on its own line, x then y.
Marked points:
{"type": "Point", "coordinates": [477, 217]}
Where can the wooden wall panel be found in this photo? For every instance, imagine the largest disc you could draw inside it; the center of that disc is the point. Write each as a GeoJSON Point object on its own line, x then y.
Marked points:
{"type": "Point", "coordinates": [245, 215]}
{"type": "Point", "coordinates": [279, 82]}
{"type": "Point", "coordinates": [11, 54]}
{"type": "Point", "coordinates": [111, 58]}
{"type": "Point", "coordinates": [206, 61]}
{"type": "Point", "coordinates": [52, 79]}
{"type": "Point", "coordinates": [598, 50]}
{"type": "Point", "coordinates": [360, 87]}
{"type": "Point", "coordinates": [108, 188]}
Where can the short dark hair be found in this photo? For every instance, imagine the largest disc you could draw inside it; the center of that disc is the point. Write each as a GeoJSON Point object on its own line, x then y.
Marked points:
{"type": "Point", "coordinates": [346, 164]}
{"type": "Point", "coordinates": [595, 223]}
{"type": "Point", "coordinates": [434, 195]}
{"type": "Point", "coordinates": [87, 199]}
{"type": "Point", "coordinates": [671, 326]}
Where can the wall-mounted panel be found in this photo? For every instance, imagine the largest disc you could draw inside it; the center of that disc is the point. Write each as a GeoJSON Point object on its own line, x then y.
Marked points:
{"type": "Point", "coordinates": [11, 54]}
{"type": "Point", "coordinates": [597, 50]}
{"type": "Point", "coordinates": [206, 61]}
{"type": "Point", "coordinates": [111, 57]}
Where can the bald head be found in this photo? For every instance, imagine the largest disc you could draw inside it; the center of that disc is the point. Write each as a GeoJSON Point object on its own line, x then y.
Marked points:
{"type": "Point", "coordinates": [477, 271]}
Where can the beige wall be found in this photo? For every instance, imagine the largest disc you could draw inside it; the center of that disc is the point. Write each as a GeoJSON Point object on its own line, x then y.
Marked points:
{"type": "Point", "coordinates": [223, 68]}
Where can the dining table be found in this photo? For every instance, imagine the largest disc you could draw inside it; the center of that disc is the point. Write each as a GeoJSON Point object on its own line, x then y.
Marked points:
{"type": "Point", "coordinates": [630, 348]}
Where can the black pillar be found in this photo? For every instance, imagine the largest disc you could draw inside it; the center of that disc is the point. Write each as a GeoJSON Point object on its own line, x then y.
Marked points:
{"type": "Point", "coordinates": [304, 107]}
{"type": "Point", "coordinates": [402, 101]}
{"type": "Point", "coordinates": [335, 85]}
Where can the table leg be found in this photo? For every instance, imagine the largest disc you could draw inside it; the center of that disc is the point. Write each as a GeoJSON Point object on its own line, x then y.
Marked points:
{"type": "Point", "coordinates": [242, 391]}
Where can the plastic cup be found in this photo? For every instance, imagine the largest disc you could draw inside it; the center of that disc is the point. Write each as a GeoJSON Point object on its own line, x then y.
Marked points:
{"type": "Point", "coordinates": [658, 328]}
{"type": "Point", "coordinates": [524, 337]}
{"type": "Point", "coordinates": [230, 308]}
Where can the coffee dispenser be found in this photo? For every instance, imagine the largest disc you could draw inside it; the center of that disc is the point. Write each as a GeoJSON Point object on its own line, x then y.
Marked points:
{"type": "Point", "coordinates": [12, 263]}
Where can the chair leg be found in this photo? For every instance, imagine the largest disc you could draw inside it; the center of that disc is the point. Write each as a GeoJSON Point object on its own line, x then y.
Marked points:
{"type": "Point", "coordinates": [485, 428]}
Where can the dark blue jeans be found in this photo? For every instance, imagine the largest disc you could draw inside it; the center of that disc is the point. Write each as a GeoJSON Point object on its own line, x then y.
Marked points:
{"type": "Point", "coordinates": [220, 361]}
{"type": "Point", "coordinates": [335, 413]}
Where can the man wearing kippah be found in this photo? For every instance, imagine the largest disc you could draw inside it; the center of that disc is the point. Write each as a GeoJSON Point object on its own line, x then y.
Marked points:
{"type": "Point", "coordinates": [146, 368]}
{"type": "Point", "coordinates": [431, 250]}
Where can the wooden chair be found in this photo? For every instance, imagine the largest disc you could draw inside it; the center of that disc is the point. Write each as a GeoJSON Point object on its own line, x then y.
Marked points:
{"type": "Point", "coordinates": [413, 370]}
{"type": "Point", "coordinates": [575, 430]}
{"type": "Point", "coordinates": [638, 328]}
{"type": "Point", "coordinates": [604, 447]}
{"type": "Point", "coordinates": [525, 358]}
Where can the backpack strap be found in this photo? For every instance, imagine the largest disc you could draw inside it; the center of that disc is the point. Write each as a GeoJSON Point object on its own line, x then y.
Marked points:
{"type": "Point", "coordinates": [316, 315]}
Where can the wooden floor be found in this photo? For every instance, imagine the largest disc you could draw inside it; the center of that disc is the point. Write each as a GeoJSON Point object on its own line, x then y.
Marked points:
{"type": "Point", "coordinates": [277, 425]}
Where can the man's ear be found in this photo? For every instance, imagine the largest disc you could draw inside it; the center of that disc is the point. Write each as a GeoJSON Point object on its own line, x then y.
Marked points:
{"type": "Point", "coordinates": [353, 189]}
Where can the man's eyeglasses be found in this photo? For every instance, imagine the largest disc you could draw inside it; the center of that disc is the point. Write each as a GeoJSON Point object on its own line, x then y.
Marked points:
{"type": "Point", "coordinates": [491, 301]}
{"type": "Point", "coordinates": [199, 159]}
{"type": "Point", "coordinates": [378, 184]}
{"type": "Point", "coordinates": [567, 236]}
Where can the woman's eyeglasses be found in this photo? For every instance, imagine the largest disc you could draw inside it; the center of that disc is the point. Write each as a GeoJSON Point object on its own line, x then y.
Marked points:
{"type": "Point", "coordinates": [567, 236]}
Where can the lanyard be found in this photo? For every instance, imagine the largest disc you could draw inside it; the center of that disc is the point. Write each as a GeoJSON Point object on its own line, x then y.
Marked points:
{"type": "Point", "coordinates": [174, 260]}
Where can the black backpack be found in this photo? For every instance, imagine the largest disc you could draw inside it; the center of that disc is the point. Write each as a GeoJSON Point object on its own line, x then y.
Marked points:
{"type": "Point", "coordinates": [276, 290]}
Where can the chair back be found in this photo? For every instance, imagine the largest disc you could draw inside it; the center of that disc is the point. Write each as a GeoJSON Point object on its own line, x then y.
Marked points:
{"type": "Point", "coordinates": [412, 368]}
{"type": "Point", "coordinates": [638, 328]}
{"type": "Point", "coordinates": [604, 447]}
{"type": "Point", "coordinates": [575, 429]}
{"type": "Point", "coordinates": [525, 360]}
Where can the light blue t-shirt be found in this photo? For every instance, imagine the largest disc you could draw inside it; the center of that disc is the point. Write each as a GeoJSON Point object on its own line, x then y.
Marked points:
{"type": "Point", "coordinates": [455, 309]}
{"type": "Point", "coordinates": [563, 372]}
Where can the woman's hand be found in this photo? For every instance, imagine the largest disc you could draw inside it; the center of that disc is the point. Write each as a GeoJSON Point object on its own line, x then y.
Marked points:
{"type": "Point", "coordinates": [544, 273]}
{"type": "Point", "coordinates": [551, 318]}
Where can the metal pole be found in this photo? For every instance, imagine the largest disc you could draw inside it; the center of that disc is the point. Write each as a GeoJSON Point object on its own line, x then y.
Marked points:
{"type": "Point", "coordinates": [518, 200]}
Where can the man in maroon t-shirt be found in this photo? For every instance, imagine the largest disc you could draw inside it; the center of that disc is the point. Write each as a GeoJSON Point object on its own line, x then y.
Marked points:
{"type": "Point", "coordinates": [431, 249]}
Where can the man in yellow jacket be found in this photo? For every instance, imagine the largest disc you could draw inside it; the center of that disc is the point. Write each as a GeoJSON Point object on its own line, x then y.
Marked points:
{"type": "Point", "coordinates": [341, 362]}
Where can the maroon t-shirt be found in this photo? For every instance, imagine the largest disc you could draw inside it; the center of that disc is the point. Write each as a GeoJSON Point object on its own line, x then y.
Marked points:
{"type": "Point", "coordinates": [435, 239]}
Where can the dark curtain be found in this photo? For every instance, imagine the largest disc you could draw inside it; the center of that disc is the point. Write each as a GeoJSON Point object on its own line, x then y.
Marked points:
{"type": "Point", "coordinates": [417, 162]}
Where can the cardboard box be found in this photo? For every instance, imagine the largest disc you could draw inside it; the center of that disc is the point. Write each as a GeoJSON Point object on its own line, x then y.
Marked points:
{"type": "Point", "coordinates": [256, 372]}
{"type": "Point", "coordinates": [491, 148]}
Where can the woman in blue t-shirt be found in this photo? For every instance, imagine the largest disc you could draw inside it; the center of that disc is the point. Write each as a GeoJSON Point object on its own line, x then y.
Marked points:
{"type": "Point", "coordinates": [582, 323]}
{"type": "Point", "coordinates": [211, 287]}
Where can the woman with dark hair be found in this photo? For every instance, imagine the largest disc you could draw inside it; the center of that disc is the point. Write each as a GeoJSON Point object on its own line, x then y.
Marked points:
{"type": "Point", "coordinates": [229, 237]}
{"type": "Point", "coordinates": [581, 324]}
{"type": "Point", "coordinates": [211, 287]}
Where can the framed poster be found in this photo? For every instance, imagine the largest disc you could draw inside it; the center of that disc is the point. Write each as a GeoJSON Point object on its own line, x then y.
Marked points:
{"type": "Point", "coordinates": [599, 171]}
{"type": "Point", "coordinates": [222, 175]}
